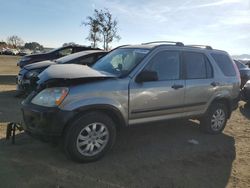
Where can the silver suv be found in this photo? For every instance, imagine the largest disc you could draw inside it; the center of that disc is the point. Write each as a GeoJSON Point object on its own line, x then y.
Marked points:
{"type": "Point", "coordinates": [132, 84]}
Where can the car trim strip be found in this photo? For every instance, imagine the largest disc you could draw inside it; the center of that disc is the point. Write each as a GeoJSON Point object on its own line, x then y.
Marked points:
{"type": "Point", "coordinates": [166, 108]}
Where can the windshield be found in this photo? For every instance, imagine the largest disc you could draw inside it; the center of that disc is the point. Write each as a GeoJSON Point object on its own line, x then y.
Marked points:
{"type": "Point", "coordinates": [70, 57]}
{"type": "Point", "coordinates": [67, 58]}
{"type": "Point", "coordinates": [55, 49]}
{"type": "Point", "coordinates": [120, 61]}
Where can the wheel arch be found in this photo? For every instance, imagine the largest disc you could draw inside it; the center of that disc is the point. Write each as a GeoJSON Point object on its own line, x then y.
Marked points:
{"type": "Point", "coordinates": [109, 110]}
{"type": "Point", "coordinates": [226, 101]}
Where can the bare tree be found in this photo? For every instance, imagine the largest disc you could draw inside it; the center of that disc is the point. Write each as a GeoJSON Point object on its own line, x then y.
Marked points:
{"type": "Point", "coordinates": [102, 23]}
{"type": "Point", "coordinates": [15, 41]}
{"type": "Point", "coordinates": [94, 31]}
{"type": "Point", "coordinates": [108, 27]}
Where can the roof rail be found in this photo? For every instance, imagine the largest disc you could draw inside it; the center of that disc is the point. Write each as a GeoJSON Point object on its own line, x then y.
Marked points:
{"type": "Point", "coordinates": [200, 46]}
{"type": "Point", "coordinates": [167, 42]}
{"type": "Point", "coordinates": [119, 47]}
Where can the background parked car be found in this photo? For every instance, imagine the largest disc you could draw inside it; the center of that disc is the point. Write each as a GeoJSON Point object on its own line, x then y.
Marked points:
{"type": "Point", "coordinates": [53, 54]}
{"type": "Point", "coordinates": [10, 51]}
{"type": "Point", "coordinates": [25, 52]}
{"type": "Point", "coordinates": [26, 79]}
{"type": "Point", "coordinates": [2, 50]}
{"type": "Point", "coordinates": [244, 72]}
{"type": "Point", "coordinates": [245, 80]}
{"type": "Point", "coordinates": [248, 64]}
{"type": "Point", "coordinates": [245, 92]}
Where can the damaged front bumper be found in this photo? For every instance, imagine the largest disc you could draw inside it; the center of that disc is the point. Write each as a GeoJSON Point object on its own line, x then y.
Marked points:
{"type": "Point", "coordinates": [44, 121]}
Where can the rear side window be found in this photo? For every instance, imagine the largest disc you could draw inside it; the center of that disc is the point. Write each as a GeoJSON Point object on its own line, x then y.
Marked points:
{"type": "Point", "coordinates": [225, 64]}
{"type": "Point", "coordinates": [197, 66]}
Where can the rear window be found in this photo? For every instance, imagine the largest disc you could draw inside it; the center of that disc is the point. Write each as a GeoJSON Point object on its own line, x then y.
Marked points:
{"type": "Point", "coordinates": [225, 64]}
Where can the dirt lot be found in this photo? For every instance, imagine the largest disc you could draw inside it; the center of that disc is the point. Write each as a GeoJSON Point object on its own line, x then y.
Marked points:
{"type": "Point", "coordinates": [155, 155]}
{"type": "Point", "coordinates": [8, 64]}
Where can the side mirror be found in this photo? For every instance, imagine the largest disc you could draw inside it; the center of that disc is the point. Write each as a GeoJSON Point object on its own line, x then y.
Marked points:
{"type": "Point", "coordinates": [146, 76]}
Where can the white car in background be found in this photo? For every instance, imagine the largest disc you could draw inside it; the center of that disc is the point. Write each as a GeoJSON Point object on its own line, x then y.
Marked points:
{"type": "Point", "coordinates": [24, 52]}
{"type": "Point", "coordinates": [10, 51]}
{"type": "Point", "coordinates": [2, 50]}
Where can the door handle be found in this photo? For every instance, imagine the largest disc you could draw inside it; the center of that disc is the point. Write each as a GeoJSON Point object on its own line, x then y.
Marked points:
{"type": "Point", "coordinates": [214, 84]}
{"type": "Point", "coordinates": [177, 86]}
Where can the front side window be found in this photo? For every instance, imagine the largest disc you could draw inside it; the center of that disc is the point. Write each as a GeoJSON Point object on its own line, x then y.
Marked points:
{"type": "Point", "coordinates": [121, 61]}
{"type": "Point", "coordinates": [166, 64]}
{"type": "Point", "coordinates": [196, 66]}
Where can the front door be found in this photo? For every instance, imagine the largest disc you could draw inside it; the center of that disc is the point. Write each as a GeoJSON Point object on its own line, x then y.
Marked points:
{"type": "Point", "coordinates": [161, 99]}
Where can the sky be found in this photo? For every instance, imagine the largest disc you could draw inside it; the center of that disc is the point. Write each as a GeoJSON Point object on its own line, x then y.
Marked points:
{"type": "Point", "coordinates": [223, 24]}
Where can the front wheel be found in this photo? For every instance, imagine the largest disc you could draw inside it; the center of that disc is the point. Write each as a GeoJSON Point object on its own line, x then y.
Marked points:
{"type": "Point", "coordinates": [90, 137]}
{"type": "Point", "coordinates": [215, 119]}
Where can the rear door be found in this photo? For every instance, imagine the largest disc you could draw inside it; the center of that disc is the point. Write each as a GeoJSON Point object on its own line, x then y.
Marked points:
{"type": "Point", "coordinates": [157, 100]}
{"type": "Point", "coordinates": [198, 75]}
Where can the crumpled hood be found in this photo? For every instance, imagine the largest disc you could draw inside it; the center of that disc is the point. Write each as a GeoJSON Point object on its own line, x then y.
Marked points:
{"type": "Point", "coordinates": [71, 71]}
{"type": "Point", "coordinates": [41, 64]}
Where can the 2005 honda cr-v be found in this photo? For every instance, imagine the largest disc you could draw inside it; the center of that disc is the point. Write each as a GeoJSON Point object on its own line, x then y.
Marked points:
{"type": "Point", "coordinates": [132, 84]}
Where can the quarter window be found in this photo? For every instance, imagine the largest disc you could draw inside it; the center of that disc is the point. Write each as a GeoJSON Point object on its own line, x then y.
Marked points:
{"type": "Point", "coordinates": [209, 69]}
{"type": "Point", "coordinates": [166, 64]}
{"type": "Point", "coordinates": [225, 64]}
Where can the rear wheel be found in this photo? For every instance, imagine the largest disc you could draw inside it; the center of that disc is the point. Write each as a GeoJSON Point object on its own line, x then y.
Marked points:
{"type": "Point", "coordinates": [90, 137]}
{"type": "Point", "coordinates": [215, 119]}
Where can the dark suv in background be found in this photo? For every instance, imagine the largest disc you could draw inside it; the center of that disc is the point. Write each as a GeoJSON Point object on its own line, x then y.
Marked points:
{"type": "Point", "coordinates": [245, 80]}
{"type": "Point", "coordinates": [244, 72]}
{"type": "Point", "coordinates": [53, 54]}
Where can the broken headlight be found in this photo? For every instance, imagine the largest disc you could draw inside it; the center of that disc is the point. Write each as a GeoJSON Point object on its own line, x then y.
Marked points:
{"type": "Point", "coordinates": [50, 97]}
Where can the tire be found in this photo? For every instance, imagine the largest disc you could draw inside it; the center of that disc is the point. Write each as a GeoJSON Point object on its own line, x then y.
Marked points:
{"type": "Point", "coordinates": [93, 131]}
{"type": "Point", "coordinates": [212, 124]}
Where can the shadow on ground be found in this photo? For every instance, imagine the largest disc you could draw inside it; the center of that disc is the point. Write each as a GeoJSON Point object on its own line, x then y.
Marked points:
{"type": "Point", "coordinates": [245, 110]}
{"type": "Point", "coordinates": [154, 155]}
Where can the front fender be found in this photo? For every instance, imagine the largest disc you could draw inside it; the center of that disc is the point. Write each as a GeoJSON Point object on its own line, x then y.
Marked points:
{"type": "Point", "coordinates": [98, 103]}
